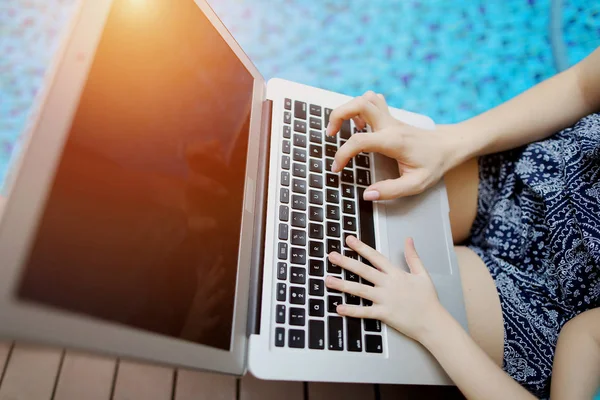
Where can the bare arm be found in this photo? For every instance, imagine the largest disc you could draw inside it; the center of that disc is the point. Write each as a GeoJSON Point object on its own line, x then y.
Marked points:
{"type": "Point", "coordinates": [576, 371]}
{"type": "Point", "coordinates": [535, 114]}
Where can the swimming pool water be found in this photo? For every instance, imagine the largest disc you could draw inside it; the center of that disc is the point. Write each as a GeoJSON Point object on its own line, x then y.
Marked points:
{"type": "Point", "coordinates": [444, 58]}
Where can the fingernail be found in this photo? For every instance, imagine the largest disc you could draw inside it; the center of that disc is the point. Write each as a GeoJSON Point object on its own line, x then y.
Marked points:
{"type": "Point", "coordinates": [333, 254]}
{"type": "Point", "coordinates": [329, 280]}
{"type": "Point", "coordinates": [334, 167]}
{"type": "Point", "coordinates": [351, 239]}
{"type": "Point", "coordinates": [340, 309]}
{"type": "Point", "coordinates": [328, 130]}
{"type": "Point", "coordinates": [371, 195]}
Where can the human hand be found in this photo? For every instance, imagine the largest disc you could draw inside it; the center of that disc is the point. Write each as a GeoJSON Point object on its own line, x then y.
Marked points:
{"type": "Point", "coordinates": [405, 301]}
{"type": "Point", "coordinates": [423, 156]}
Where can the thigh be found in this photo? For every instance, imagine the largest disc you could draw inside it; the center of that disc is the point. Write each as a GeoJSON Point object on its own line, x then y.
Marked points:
{"type": "Point", "coordinates": [482, 304]}
{"type": "Point", "coordinates": [462, 185]}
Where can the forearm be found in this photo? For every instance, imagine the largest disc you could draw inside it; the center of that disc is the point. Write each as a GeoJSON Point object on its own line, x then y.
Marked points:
{"type": "Point", "coordinates": [467, 365]}
{"type": "Point", "coordinates": [576, 371]}
{"type": "Point", "coordinates": [533, 115]}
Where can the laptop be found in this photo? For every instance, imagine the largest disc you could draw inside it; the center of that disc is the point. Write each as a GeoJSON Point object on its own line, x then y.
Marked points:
{"type": "Point", "coordinates": [170, 205]}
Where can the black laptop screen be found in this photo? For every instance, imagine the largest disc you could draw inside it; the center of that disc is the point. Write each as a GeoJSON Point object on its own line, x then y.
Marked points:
{"type": "Point", "coordinates": [142, 223]}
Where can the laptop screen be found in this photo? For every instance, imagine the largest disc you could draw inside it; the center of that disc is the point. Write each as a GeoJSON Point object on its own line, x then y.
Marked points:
{"type": "Point", "coordinates": [142, 223]}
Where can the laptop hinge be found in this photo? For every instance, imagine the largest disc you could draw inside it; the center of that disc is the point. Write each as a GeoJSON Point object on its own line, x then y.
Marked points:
{"type": "Point", "coordinates": [260, 216]}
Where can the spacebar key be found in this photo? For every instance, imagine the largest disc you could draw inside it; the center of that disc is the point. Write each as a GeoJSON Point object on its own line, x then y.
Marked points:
{"type": "Point", "coordinates": [367, 229]}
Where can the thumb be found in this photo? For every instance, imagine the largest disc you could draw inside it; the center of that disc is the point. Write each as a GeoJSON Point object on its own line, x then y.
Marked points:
{"type": "Point", "coordinates": [389, 189]}
{"type": "Point", "coordinates": [412, 258]}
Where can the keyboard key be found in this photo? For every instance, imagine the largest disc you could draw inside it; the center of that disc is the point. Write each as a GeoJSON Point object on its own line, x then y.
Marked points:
{"type": "Point", "coordinates": [328, 162]}
{"type": "Point", "coordinates": [315, 151]}
{"type": "Point", "coordinates": [363, 177]}
{"type": "Point", "coordinates": [298, 237]}
{"type": "Point", "coordinates": [315, 110]}
{"type": "Point", "coordinates": [282, 251]}
{"type": "Point", "coordinates": [315, 165]}
{"type": "Point", "coordinates": [299, 126]}
{"type": "Point", "coordinates": [349, 223]}
{"type": "Point", "coordinates": [285, 162]}
{"type": "Point", "coordinates": [283, 232]}
{"type": "Point", "coordinates": [299, 140]}
{"type": "Point", "coordinates": [316, 268]}
{"type": "Point", "coordinates": [316, 334]}
{"type": "Point", "coordinates": [298, 275]}
{"type": "Point", "coordinates": [315, 249]}
{"type": "Point", "coordinates": [348, 191]}
{"type": "Point", "coordinates": [286, 146]}
{"type": "Point", "coordinates": [315, 214]}
{"type": "Point", "coordinates": [287, 103]}
{"type": "Point", "coordinates": [296, 339]}
{"type": "Point", "coordinates": [327, 113]}
{"type": "Point", "coordinates": [331, 139]}
{"type": "Point", "coordinates": [280, 314]}
{"type": "Point", "coordinates": [367, 230]}
{"type": "Point", "coordinates": [284, 195]}
{"type": "Point", "coordinates": [353, 327]}
{"type": "Point", "coordinates": [285, 178]}
{"type": "Point", "coordinates": [315, 231]}
{"type": "Point", "coordinates": [281, 271]}
{"type": "Point", "coordinates": [299, 155]}
{"type": "Point", "coordinates": [287, 117]}
{"type": "Point", "coordinates": [287, 131]}
{"type": "Point", "coordinates": [373, 344]}
{"type": "Point", "coordinates": [298, 219]}
{"type": "Point", "coordinates": [299, 170]}
{"type": "Point", "coordinates": [332, 180]}
{"type": "Point", "coordinates": [336, 333]}
{"type": "Point", "coordinates": [316, 308]}
{"type": "Point", "coordinates": [348, 207]}
{"type": "Point", "coordinates": [315, 197]}
{"type": "Point", "coordinates": [351, 254]}
{"type": "Point", "coordinates": [297, 295]}
{"type": "Point", "coordinates": [281, 291]}
{"type": "Point", "coordinates": [366, 282]}
{"type": "Point", "coordinates": [367, 303]}
{"type": "Point", "coordinates": [352, 299]}
{"type": "Point", "coordinates": [333, 269]}
{"type": "Point", "coordinates": [315, 181]}
{"type": "Point", "coordinates": [298, 186]}
{"type": "Point", "coordinates": [316, 137]}
{"type": "Point", "coordinates": [346, 130]}
{"type": "Point", "coordinates": [279, 337]}
{"type": "Point", "coordinates": [316, 287]}
{"type": "Point", "coordinates": [363, 161]}
{"type": "Point", "coordinates": [351, 276]}
{"type": "Point", "coordinates": [298, 255]}
{"type": "Point", "coordinates": [333, 302]}
{"type": "Point", "coordinates": [299, 109]}
{"type": "Point", "coordinates": [333, 212]}
{"type": "Point", "coordinates": [333, 229]}
{"type": "Point", "coordinates": [333, 196]}
{"type": "Point", "coordinates": [333, 291]}
{"type": "Point", "coordinates": [284, 213]}
{"type": "Point", "coordinates": [297, 316]}
{"type": "Point", "coordinates": [372, 325]}
{"type": "Point", "coordinates": [333, 245]}
{"type": "Point", "coordinates": [315, 123]}
{"type": "Point", "coordinates": [298, 202]}
{"type": "Point", "coordinates": [347, 176]}
{"type": "Point", "coordinates": [330, 150]}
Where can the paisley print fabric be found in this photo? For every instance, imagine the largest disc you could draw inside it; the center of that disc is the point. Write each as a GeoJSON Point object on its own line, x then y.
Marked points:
{"type": "Point", "coordinates": [538, 231]}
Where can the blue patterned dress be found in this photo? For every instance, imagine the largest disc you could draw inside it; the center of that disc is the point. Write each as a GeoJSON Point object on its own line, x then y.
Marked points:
{"type": "Point", "coordinates": [538, 231]}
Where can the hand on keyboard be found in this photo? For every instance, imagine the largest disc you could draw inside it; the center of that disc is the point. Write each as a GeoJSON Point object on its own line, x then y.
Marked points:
{"type": "Point", "coordinates": [405, 301]}
{"type": "Point", "coordinates": [423, 156]}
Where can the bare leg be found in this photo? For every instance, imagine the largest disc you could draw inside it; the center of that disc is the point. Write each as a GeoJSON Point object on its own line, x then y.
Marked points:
{"type": "Point", "coordinates": [484, 314]}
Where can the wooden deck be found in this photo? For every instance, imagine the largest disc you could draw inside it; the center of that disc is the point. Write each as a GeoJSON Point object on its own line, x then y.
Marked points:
{"type": "Point", "coordinates": [30, 372]}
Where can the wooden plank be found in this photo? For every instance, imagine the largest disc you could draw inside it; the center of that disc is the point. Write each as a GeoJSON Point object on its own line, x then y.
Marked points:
{"type": "Point", "coordinates": [340, 391]}
{"type": "Point", "coordinates": [195, 385]}
{"type": "Point", "coordinates": [252, 388]}
{"type": "Point", "coordinates": [401, 392]}
{"type": "Point", "coordinates": [31, 373]}
{"type": "Point", "coordinates": [85, 376]}
{"type": "Point", "coordinates": [136, 381]}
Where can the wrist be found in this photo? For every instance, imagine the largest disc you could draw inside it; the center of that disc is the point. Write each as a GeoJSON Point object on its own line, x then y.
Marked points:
{"type": "Point", "coordinates": [435, 332]}
{"type": "Point", "coordinates": [462, 142]}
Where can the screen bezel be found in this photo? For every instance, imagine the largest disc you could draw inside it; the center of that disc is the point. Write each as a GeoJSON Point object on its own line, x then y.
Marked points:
{"type": "Point", "coordinates": [30, 182]}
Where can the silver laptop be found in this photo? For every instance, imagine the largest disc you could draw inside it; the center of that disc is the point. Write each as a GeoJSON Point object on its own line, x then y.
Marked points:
{"type": "Point", "coordinates": [172, 206]}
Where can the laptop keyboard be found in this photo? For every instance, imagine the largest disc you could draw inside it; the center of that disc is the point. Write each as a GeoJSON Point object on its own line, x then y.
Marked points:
{"type": "Point", "coordinates": [317, 210]}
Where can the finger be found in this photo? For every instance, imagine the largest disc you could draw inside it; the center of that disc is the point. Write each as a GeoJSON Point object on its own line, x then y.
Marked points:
{"type": "Point", "coordinates": [371, 312]}
{"type": "Point", "coordinates": [376, 99]}
{"type": "Point", "coordinates": [412, 258]}
{"type": "Point", "coordinates": [359, 122]}
{"type": "Point", "coordinates": [358, 142]}
{"type": "Point", "coordinates": [358, 106]}
{"type": "Point", "coordinates": [355, 266]}
{"type": "Point", "coordinates": [372, 255]}
{"type": "Point", "coordinates": [355, 288]}
{"type": "Point", "coordinates": [406, 185]}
